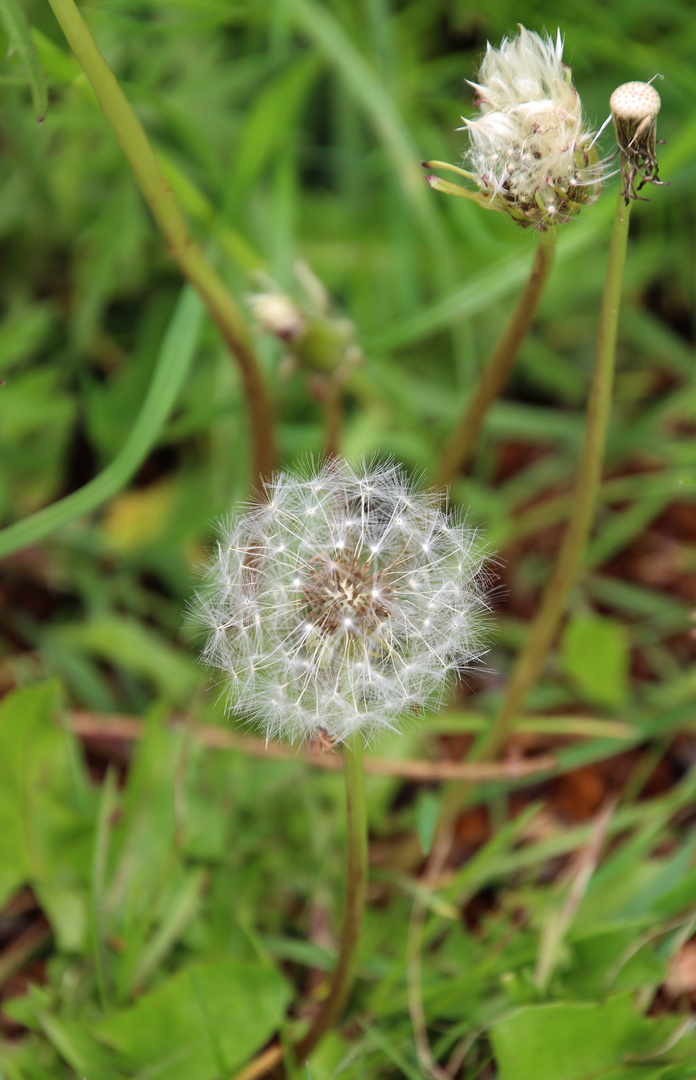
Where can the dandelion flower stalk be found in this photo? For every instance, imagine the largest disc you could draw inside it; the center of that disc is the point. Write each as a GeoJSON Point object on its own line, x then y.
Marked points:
{"type": "Point", "coordinates": [531, 156]}
{"type": "Point", "coordinates": [341, 601]}
{"type": "Point", "coordinates": [356, 888]}
{"type": "Point", "coordinates": [354, 906]}
{"type": "Point", "coordinates": [495, 374]}
{"type": "Point", "coordinates": [588, 478]}
{"type": "Point", "coordinates": [634, 108]}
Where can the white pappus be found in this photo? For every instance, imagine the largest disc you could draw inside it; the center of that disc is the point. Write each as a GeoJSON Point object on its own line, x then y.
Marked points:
{"type": "Point", "coordinates": [341, 600]}
{"type": "Point", "coordinates": [531, 152]}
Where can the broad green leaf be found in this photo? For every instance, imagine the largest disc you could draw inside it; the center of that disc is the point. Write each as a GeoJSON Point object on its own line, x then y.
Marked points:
{"type": "Point", "coordinates": [44, 824]}
{"type": "Point", "coordinates": [27, 1008]}
{"type": "Point", "coordinates": [603, 962]}
{"type": "Point", "coordinates": [152, 896]}
{"type": "Point", "coordinates": [596, 656]}
{"type": "Point", "coordinates": [80, 1049]}
{"type": "Point", "coordinates": [574, 1041]}
{"type": "Point", "coordinates": [226, 1009]}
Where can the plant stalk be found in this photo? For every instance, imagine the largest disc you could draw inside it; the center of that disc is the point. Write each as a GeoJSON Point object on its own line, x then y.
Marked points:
{"type": "Point", "coordinates": [356, 889]}
{"type": "Point", "coordinates": [588, 478]}
{"type": "Point", "coordinates": [496, 372]}
{"type": "Point", "coordinates": [165, 209]}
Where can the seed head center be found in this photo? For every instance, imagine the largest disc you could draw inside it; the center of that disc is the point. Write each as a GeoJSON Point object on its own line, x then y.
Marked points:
{"type": "Point", "coordinates": [345, 594]}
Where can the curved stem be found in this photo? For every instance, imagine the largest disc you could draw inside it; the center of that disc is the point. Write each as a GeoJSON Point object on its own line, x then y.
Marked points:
{"type": "Point", "coordinates": [496, 372]}
{"type": "Point", "coordinates": [165, 209]}
{"type": "Point", "coordinates": [565, 573]}
{"type": "Point", "coordinates": [356, 888]}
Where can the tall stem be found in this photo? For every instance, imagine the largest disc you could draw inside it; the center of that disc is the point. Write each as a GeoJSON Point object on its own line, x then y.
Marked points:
{"type": "Point", "coordinates": [545, 624]}
{"type": "Point", "coordinates": [496, 372]}
{"type": "Point", "coordinates": [165, 209]}
{"type": "Point", "coordinates": [356, 888]}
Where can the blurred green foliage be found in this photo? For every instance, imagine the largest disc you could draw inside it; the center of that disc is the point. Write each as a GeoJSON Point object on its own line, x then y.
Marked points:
{"type": "Point", "coordinates": [294, 129]}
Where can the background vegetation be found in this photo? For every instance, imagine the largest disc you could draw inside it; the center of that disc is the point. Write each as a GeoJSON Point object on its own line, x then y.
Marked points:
{"type": "Point", "coordinates": [164, 907]}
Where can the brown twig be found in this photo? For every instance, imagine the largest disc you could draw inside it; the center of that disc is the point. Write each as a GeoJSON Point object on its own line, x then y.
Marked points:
{"type": "Point", "coordinates": [93, 727]}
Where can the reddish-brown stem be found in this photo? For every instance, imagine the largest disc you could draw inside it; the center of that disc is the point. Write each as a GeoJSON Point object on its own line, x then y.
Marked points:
{"type": "Point", "coordinates": [496, 371]}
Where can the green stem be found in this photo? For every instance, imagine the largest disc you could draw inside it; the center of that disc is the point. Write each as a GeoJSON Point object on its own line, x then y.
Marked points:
{"type": "Point", "coordinates": [356, 887]}
{"type": "Point", "coordinates": [496, 371]}
{"type": "Point", "coordinates": [165, 209]}
{"type": "Point", "coordinates": [545, 624]}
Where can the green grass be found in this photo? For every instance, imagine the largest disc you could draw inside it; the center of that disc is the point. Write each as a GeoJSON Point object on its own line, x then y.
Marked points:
{"type": "Point", "coordinates": [191, 897]}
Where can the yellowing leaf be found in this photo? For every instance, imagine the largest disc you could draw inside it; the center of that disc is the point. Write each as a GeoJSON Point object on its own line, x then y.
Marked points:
{"type": "Point", "coordinates": [138, 518]}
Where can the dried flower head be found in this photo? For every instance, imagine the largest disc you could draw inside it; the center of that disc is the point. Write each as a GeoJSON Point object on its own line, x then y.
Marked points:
{"type": "Point", "coordinates": [341, 601]}
{"type": "Point", "coordinates": [634, 108]}
{"type": "Point", "coordinates": [531, 154]}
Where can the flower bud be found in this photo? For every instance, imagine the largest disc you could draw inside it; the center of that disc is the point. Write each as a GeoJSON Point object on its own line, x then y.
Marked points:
{"type": "Point", "coordinates": [277, 314]}
{"type": "Point", "coordinates": [318, 339]}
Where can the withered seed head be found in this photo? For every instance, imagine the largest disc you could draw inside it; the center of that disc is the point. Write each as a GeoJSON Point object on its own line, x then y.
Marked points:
{"type": "Point", "coordinates": [634, 108]}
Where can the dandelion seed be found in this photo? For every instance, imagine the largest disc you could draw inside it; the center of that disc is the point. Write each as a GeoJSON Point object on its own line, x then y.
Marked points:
{"type": "Point", "coordinates": [368, 631]}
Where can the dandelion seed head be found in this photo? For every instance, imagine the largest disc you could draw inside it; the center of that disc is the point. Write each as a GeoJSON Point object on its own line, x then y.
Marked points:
{"type": "Point", "coordinates": [311, 635]}
{"type": "Point", "coordinates": [531, 152]}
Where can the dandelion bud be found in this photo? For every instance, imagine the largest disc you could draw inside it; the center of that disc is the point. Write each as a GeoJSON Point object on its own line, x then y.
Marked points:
{"type": "Point", "coordinates": [277, 314]}
{"type": "Point", "coordinates": [318, 339]}
{"type": "Point", "coordinates": [343, 600]}
{"type": "Point", "coordinates": [531, 153]}
{"type": "Point", "coordinates": [634, 108]}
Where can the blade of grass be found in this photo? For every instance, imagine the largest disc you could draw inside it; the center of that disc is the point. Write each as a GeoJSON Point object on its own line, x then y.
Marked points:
{"type": "Point", "coordinates": [18, 32]}
{"type": "Point", "coordinates": [164, 208]}
{"type": "Point", "coordinates": [172, 366]}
